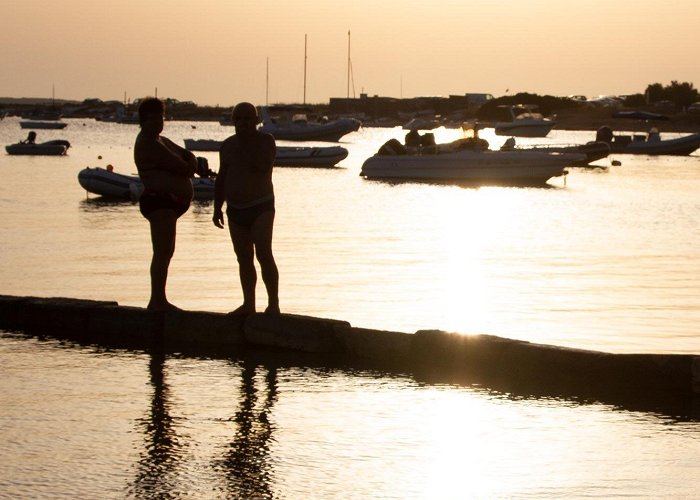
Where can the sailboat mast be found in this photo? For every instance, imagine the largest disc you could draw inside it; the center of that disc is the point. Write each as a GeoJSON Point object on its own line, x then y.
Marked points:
{"type": "Point", "coordinates": [348, 95]}
{"type": "Point", "coordinates": [267, 81]}
{"type": "Point", "coordinates": [305, 68]}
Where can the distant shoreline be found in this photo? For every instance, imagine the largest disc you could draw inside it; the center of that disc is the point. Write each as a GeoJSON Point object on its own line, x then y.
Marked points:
{"type": "Point", "coordinates": [567, 119]}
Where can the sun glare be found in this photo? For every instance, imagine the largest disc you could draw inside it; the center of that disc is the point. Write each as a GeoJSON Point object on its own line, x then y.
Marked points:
{"type": "Point", "coordinates": [478, 224]}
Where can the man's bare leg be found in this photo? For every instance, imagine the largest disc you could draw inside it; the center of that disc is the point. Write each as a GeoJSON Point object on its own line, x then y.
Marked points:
{"type": "Point", "coordinates": [245, 254]}
{"type": "Point", "coordinates": [163, 225]}
{"type": "Point", "coordinates": [262, 239]}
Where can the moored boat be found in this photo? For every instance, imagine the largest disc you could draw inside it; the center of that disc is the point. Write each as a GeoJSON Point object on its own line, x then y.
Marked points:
{"type": "Point", "coordinates": [299, 128]}
{"type": "Point", "coordinates": [468, 161]}
{"type": "Point", "coordinates": [287, 156]}
{"type": "Point", "coordinates": [110, 184]}
{"type": "Point", "coordinates": [524, 122]}
{"type": "Point", "coordinates": [43, 124]}
{"type": "Point", "coordinates": [56, 147]}
{"type": "Point", "coordinates": [326, 156]}
{"type": "Point", "coordinates": [202, 144]}
{"type": "Point", "coordinates": [593, 151]}
{"type": "Point", "coordinates": [648, 144]}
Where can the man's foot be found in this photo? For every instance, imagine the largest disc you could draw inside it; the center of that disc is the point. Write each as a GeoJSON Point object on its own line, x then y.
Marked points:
{"type": "Point", "coordinates": [272, 310]}
{"type": "Point", "coordinates": [243, 310]}
{"type": "Point", "coordinates": [162, 307]}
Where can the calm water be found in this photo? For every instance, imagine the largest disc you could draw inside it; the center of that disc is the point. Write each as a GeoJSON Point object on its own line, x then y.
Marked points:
{"type": "Point", "coordinates": [607, 260]}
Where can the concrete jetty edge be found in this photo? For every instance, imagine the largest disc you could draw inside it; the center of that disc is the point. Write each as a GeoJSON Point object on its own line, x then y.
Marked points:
{"type": "Point", "coordinates": [429, 352]}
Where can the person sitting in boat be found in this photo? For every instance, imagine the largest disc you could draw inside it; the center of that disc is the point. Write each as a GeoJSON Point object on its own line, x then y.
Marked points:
{"type": "Point", "coordinates": [509, 145]}
{"type": "Point", "coordinates": [653, 135]}
{"type": "Point", "coordinates": [31, 138]}
{"type": "Point", "coordinates": [604, 134]}
{"type": "Point", "coordinates": [203, 169]}
{"type": "Point", "coordinates": [413, 139]}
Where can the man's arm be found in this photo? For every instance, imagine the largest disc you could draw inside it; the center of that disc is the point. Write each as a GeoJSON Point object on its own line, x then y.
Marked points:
{"type": "Point", "coordinates": [219, 185]}
{"type": "Point", "coordinates": [263, 155]}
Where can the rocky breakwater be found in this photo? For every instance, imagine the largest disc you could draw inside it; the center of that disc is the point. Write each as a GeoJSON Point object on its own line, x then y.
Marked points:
{"type": "Point", "coordinates": [511, 366]}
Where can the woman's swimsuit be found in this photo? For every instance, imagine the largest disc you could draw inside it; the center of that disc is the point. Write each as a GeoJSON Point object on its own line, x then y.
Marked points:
{"type": "Point", "coordinates": [246, 215]}
{"type": "Point", "coordinates": [150, 201]}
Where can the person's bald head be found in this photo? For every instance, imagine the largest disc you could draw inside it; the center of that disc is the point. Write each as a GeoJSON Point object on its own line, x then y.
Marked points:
{"type": "Point", "coordinates": [245, 118]}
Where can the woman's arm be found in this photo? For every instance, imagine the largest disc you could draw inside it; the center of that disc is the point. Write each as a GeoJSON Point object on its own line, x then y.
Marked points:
{"type": "Point", "coordinates": [183, 155]}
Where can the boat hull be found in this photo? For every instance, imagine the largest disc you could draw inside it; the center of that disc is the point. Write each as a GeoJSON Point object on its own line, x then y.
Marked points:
{"type": "Point", "coordinates": [593, 151]}
{"type": "Point", "coordinates": [203, 144]}
{"type": "Point", "coordinates": [327, 132]}
{"type": "Point", "coordinates": [129, 187]}
{"type": "Point", "coordinates": [682, 146]}
{"type": "Point", "coordinates": [509, 167]}
{"type": "Point", "coordinates": [43, 125]}
{"type": "Point", "coordinates": [525, 129]}
{"type": "Point", "coordinates": [287, 156]}
{"type": "Point", "coordinates": [36, 149]}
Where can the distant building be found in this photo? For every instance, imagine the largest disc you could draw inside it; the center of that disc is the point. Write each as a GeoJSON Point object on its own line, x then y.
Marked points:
{"type": "Point", "coordinates": [376, 106]}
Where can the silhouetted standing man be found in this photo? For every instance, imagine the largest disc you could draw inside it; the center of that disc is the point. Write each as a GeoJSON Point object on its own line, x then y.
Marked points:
{"type": "Point", "coordinates": [165, 170]}
{"type": "Point", "coordinates": [244, 182]}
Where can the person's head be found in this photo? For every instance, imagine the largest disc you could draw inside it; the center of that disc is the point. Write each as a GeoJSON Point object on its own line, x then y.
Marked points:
{"type": "Point", "coordinates": [32, 135]}
{"type": "Point", "coordinates": [151, 113]}
{"type": "Point", "coordinates": [245, 118]}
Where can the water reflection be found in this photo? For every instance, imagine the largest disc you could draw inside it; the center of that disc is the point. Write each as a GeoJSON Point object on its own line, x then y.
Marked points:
{"type": "Point", "coordinates": [101, 204]}
{"type": "Point", "coordinates": [472, 184]}
{"type": "Point", "coordinates": [156, 475]}
{"type": "Point", "coordinates": [246, 464]}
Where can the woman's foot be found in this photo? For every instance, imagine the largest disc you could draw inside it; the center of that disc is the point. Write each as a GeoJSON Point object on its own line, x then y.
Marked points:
{"type": "Point", "coordinates": [243, 310]}
{"type": "Point", "coordinates": [162, 307]}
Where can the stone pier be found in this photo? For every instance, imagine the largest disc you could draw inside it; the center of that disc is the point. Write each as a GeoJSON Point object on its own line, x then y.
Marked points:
{"type": "Point", "coordinates": [477, 359]}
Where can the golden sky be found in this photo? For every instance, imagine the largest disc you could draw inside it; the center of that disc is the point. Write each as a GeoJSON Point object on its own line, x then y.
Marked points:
{"type": "Point", "coordinates": [217, 51]}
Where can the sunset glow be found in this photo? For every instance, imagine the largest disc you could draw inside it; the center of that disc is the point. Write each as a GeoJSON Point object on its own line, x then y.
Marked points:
{"type": "Point", "coordinates": [219, 52]}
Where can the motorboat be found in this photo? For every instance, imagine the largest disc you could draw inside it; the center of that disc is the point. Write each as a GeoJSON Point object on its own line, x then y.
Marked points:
{"type": "Point", "coordinates": [593, 151]}
{"type": "Point", "coordinates": [648, 144]}
{"type": "Point", "coordinates": [300, 128]}
{"type": "Point", "coordinates": [290, 156]}
{"type": "Point", "coordinates": [55, 147]}
{"type": "Point", "coordinates": [421, 123]}
{"type": "Point", "coordinates": [43, 124]}
{"type": "Point", "coordinates": [109, 184]}
{"type": "Point", "coordinates": [467, 160]}
{"type": "Point", "coordinates": [287, 156]}
{"type": "Point", "coordinates": [524, 122]}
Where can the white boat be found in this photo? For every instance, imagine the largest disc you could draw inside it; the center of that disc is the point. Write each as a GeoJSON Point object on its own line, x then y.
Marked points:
{"type": "Point", "coordinates": [56, 147]}
{"type": "Point", "coordinates": [287, 156]}
{"type": "Point", "coordinates": [107, 183]}
{"type": "Point", "coordinates": [469, 162]}
{"type": "Point", "coordinates": [43, 124]}
{"type": "Point", "coordinates": [524, 122]}
{"type": "Point", "coordinates": [421, 123]}
{"type": "Point", "coordinates": [299, 128]}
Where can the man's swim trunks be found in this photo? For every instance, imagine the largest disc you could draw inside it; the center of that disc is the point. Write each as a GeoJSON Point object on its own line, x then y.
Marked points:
{"type": "Point", "coordinates": [150, 201]}
{"type": "Point", "coordinates": [246, 216]}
